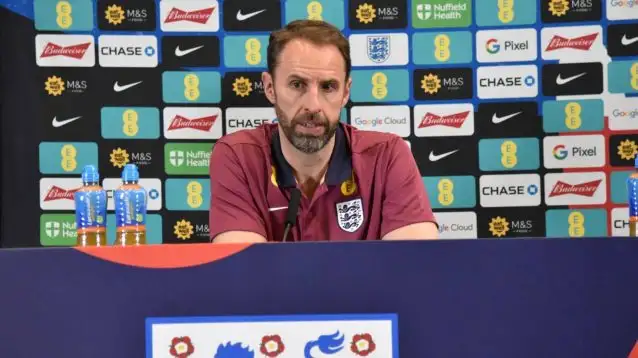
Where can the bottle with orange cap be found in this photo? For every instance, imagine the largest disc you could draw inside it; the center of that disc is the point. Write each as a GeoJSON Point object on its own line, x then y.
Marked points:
{"type": "Point", "coordinates": [90, 209]}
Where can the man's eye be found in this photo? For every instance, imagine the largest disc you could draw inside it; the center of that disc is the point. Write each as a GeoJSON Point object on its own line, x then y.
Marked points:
{"type": "Point", "coordinates": [329, 86]}
{"type": "Point", "coordinates": [296, 84]}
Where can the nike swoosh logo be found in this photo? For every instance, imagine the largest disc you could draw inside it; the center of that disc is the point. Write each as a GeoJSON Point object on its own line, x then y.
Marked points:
{"type": "Point", "coordinates": [496, 119]}
{"type": "Point", "coordinates": [118, 88]}
{"type": "Point", "coordinates": [436, 158]}
{"type": "Point", "coordinates": [561, 81]}
{"type": "Point", "coordinates": [625, 41]}
{"type": "Point", "coordinates": [242, 17]}
{"type": "Point", "coordinates": [180, 53]}
{"type": "Point", "coordinates": [278, 208]}
{"type": "Point", "coordinates": [58, 124]}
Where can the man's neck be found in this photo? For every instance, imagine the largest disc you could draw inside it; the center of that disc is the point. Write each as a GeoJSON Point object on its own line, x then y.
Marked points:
{"type": "Point", "coordinates": [308, 169]}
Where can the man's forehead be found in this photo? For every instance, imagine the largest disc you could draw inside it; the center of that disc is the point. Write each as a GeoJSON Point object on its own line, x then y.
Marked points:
{"type": "Point", "coordinates": [300, 58]}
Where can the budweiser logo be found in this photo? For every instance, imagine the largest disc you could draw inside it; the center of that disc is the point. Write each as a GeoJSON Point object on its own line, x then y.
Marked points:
{"type": "Point", "coordinates": [57, 193]}
{"type": "Point", "coordinates": [197, 16]}
{"type": "Point", "coordinates": [578, 43]}
{"type": "Point", "coordinates": [75, 51]}
{"type": "Point", "coordinates": [585, 189]}
{"type": "Point", "coordinates": [201, 124]}
{"type": "Point", "coordinates": [455, 120]}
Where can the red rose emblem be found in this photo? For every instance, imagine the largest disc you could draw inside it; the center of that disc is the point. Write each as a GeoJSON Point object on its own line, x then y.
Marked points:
{"type": "Point", "coordinates": [181, 347]}
{"type": "Point", "coordinates": [272, 346]}
{"type": "Point", "coordinates": [362, 344]}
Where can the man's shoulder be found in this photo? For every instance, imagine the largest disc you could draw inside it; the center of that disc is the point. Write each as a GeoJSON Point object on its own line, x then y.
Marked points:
{"type": "Point", "coordinates": [246, 138]}
{"type": "Point", "coordinates": [364, 141]}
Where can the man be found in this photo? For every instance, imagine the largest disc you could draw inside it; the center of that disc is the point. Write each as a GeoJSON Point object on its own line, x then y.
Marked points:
{"type": "Point", "coordinates": [355, 185]}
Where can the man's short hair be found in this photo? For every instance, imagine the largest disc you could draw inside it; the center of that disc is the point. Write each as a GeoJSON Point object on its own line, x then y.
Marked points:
{"type": "Point", "coordinates": [315, 31]}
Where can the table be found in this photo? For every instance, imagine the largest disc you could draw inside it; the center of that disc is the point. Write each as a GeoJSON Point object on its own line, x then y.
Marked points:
{"type": "Point", "coordinates": [454, 298]}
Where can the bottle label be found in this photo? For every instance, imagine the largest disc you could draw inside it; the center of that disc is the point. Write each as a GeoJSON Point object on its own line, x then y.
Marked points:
{"type": "Point", "coordinates": [90, 210]}
{"type": "Point", "coordinates": [632, 191]}
{"type": "Point", "coordinates": [130, 207]}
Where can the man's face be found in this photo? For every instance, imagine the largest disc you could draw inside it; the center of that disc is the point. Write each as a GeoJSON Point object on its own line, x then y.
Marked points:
{"type": "Point", "coordinates": [308, 91]}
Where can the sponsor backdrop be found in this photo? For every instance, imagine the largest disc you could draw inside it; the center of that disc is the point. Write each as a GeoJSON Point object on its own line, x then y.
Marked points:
{"type": "Point", "coordinates": [522, 115]}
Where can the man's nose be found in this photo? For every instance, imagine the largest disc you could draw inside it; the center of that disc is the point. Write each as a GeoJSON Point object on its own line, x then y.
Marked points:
{"type": "Point", "coordinates": [311, 101]}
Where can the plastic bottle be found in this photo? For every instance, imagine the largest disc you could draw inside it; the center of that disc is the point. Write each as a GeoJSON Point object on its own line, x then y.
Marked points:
{"type": "Point", "coordinates": [130, 209]}
{"type": "Point", "coordinates": [90, 209]}
{"type": "Point", "coordinates": [632, 191]}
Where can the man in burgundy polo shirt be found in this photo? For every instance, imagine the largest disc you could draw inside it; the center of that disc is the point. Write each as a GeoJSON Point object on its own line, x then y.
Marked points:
{"type": "Point", "coordinates": [356, 185]}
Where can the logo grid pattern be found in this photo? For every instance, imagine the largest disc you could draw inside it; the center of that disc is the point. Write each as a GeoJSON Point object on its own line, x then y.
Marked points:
{"type": "Point", "coordinates": [520, 114]}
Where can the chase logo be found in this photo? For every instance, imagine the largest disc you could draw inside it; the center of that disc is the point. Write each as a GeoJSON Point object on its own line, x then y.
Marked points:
{"type": "Point", "coordinates": [506, 154]}
{"type": "Point", "coordinates": [191, 87]}
{"type": "Point", "coordinates": [510, 190]}
{"type": "Point", "coordinates": [576, 223]}
{"type": "Point", "coordinates": [380, 86]}
{"type": "Point", "coordinates": [153, 229]}
{"type": "Point", "coordinates": [63, 15]}
{"type": "Point", "coordinates": [66, 157]}
{"type": "Point", "coordinates": [583, 115]}
{"type": "Point", "coordinates": [187, 194]}
{"type": "Point", "coordinates": [506, 12]}
{"type": "Point", "coordinates": [507, 81]}
{"type": "Point", "coordinates": [127, 50]}
{"type": "Point", "coordinates": [451, 192]}
{"type": "Point", "coordinates": [331, 11]}
{"type": "Point", "coordinates": [245, 51]}
{"type": "Point", "coordinates": [619, 222]}
{"type": "Point", "coordinates": [623, 76]}
{"type": "Point", "coordinates": [130, 123]}
{"type": "Point", "coordinates": [431, 48]}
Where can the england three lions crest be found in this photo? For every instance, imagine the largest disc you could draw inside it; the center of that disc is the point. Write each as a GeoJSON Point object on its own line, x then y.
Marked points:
{"type": "Point", "coordinates": [378, 48]}
{"type": "Point", "coordinates": [350, 215]}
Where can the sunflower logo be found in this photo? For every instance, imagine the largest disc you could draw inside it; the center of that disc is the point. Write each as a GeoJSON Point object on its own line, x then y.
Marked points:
{"type": "Point", "coordinates": [54, 86]}
{"type": "Point", "coordinates": [114, 14]}
{"type": "Point", "coordinates": [499, 226]}
{"type": "Point", "coordinates": [366, 13]}
{"type": "Point", "coordinates": [183, 229]}
{"type": "Point", "coordinates": [119, 157]}
{"type": "Point", "coordinates": [558, 7]}
{"type": "Point", "coordinates": [627, 149]}
{"type": "Point", "coordinates": [431, 83]}
{"type": "Point", "coordinates": [242, 86]}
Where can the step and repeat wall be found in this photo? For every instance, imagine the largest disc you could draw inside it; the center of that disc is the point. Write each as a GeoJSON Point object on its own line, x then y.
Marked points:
{"type": "Point", "coordinates": [522, 115]}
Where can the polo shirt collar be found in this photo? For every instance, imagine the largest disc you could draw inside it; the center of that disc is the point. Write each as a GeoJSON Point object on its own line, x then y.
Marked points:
{"type": "Point", "coordinates": [339, 167]}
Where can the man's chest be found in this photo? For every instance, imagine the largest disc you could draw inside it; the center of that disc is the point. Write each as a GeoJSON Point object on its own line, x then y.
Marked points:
{"type": "Point", "coordinates": [335, 213]}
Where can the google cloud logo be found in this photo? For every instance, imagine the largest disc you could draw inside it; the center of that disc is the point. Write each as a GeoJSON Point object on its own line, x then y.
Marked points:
{"type": "Point", "coordinates": [559, 152]}
{"type": "Point", "coordinates": [492, 46]}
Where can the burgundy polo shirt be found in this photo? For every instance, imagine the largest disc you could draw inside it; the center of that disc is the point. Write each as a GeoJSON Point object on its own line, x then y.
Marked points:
{"type": "Point", "coordinates": [372, 186]}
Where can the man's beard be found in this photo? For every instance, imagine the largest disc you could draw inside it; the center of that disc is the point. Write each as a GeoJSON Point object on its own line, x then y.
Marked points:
{"type": "Point", "coordinates": [306, 143]}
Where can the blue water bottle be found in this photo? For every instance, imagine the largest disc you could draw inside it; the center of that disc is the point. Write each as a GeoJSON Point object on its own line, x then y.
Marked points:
{"type": "Point", "coordinates": [632, 190]}
{"type": "Point", "coordinates": [130, 209]}
{"type": "Point", "coordinates": [90, 209]}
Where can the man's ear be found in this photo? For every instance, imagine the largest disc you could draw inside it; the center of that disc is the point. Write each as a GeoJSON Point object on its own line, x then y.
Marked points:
{"type": "Point", "coordinates": [346, 91]}
{"type": "Point", "coordinates": [269, 86]}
